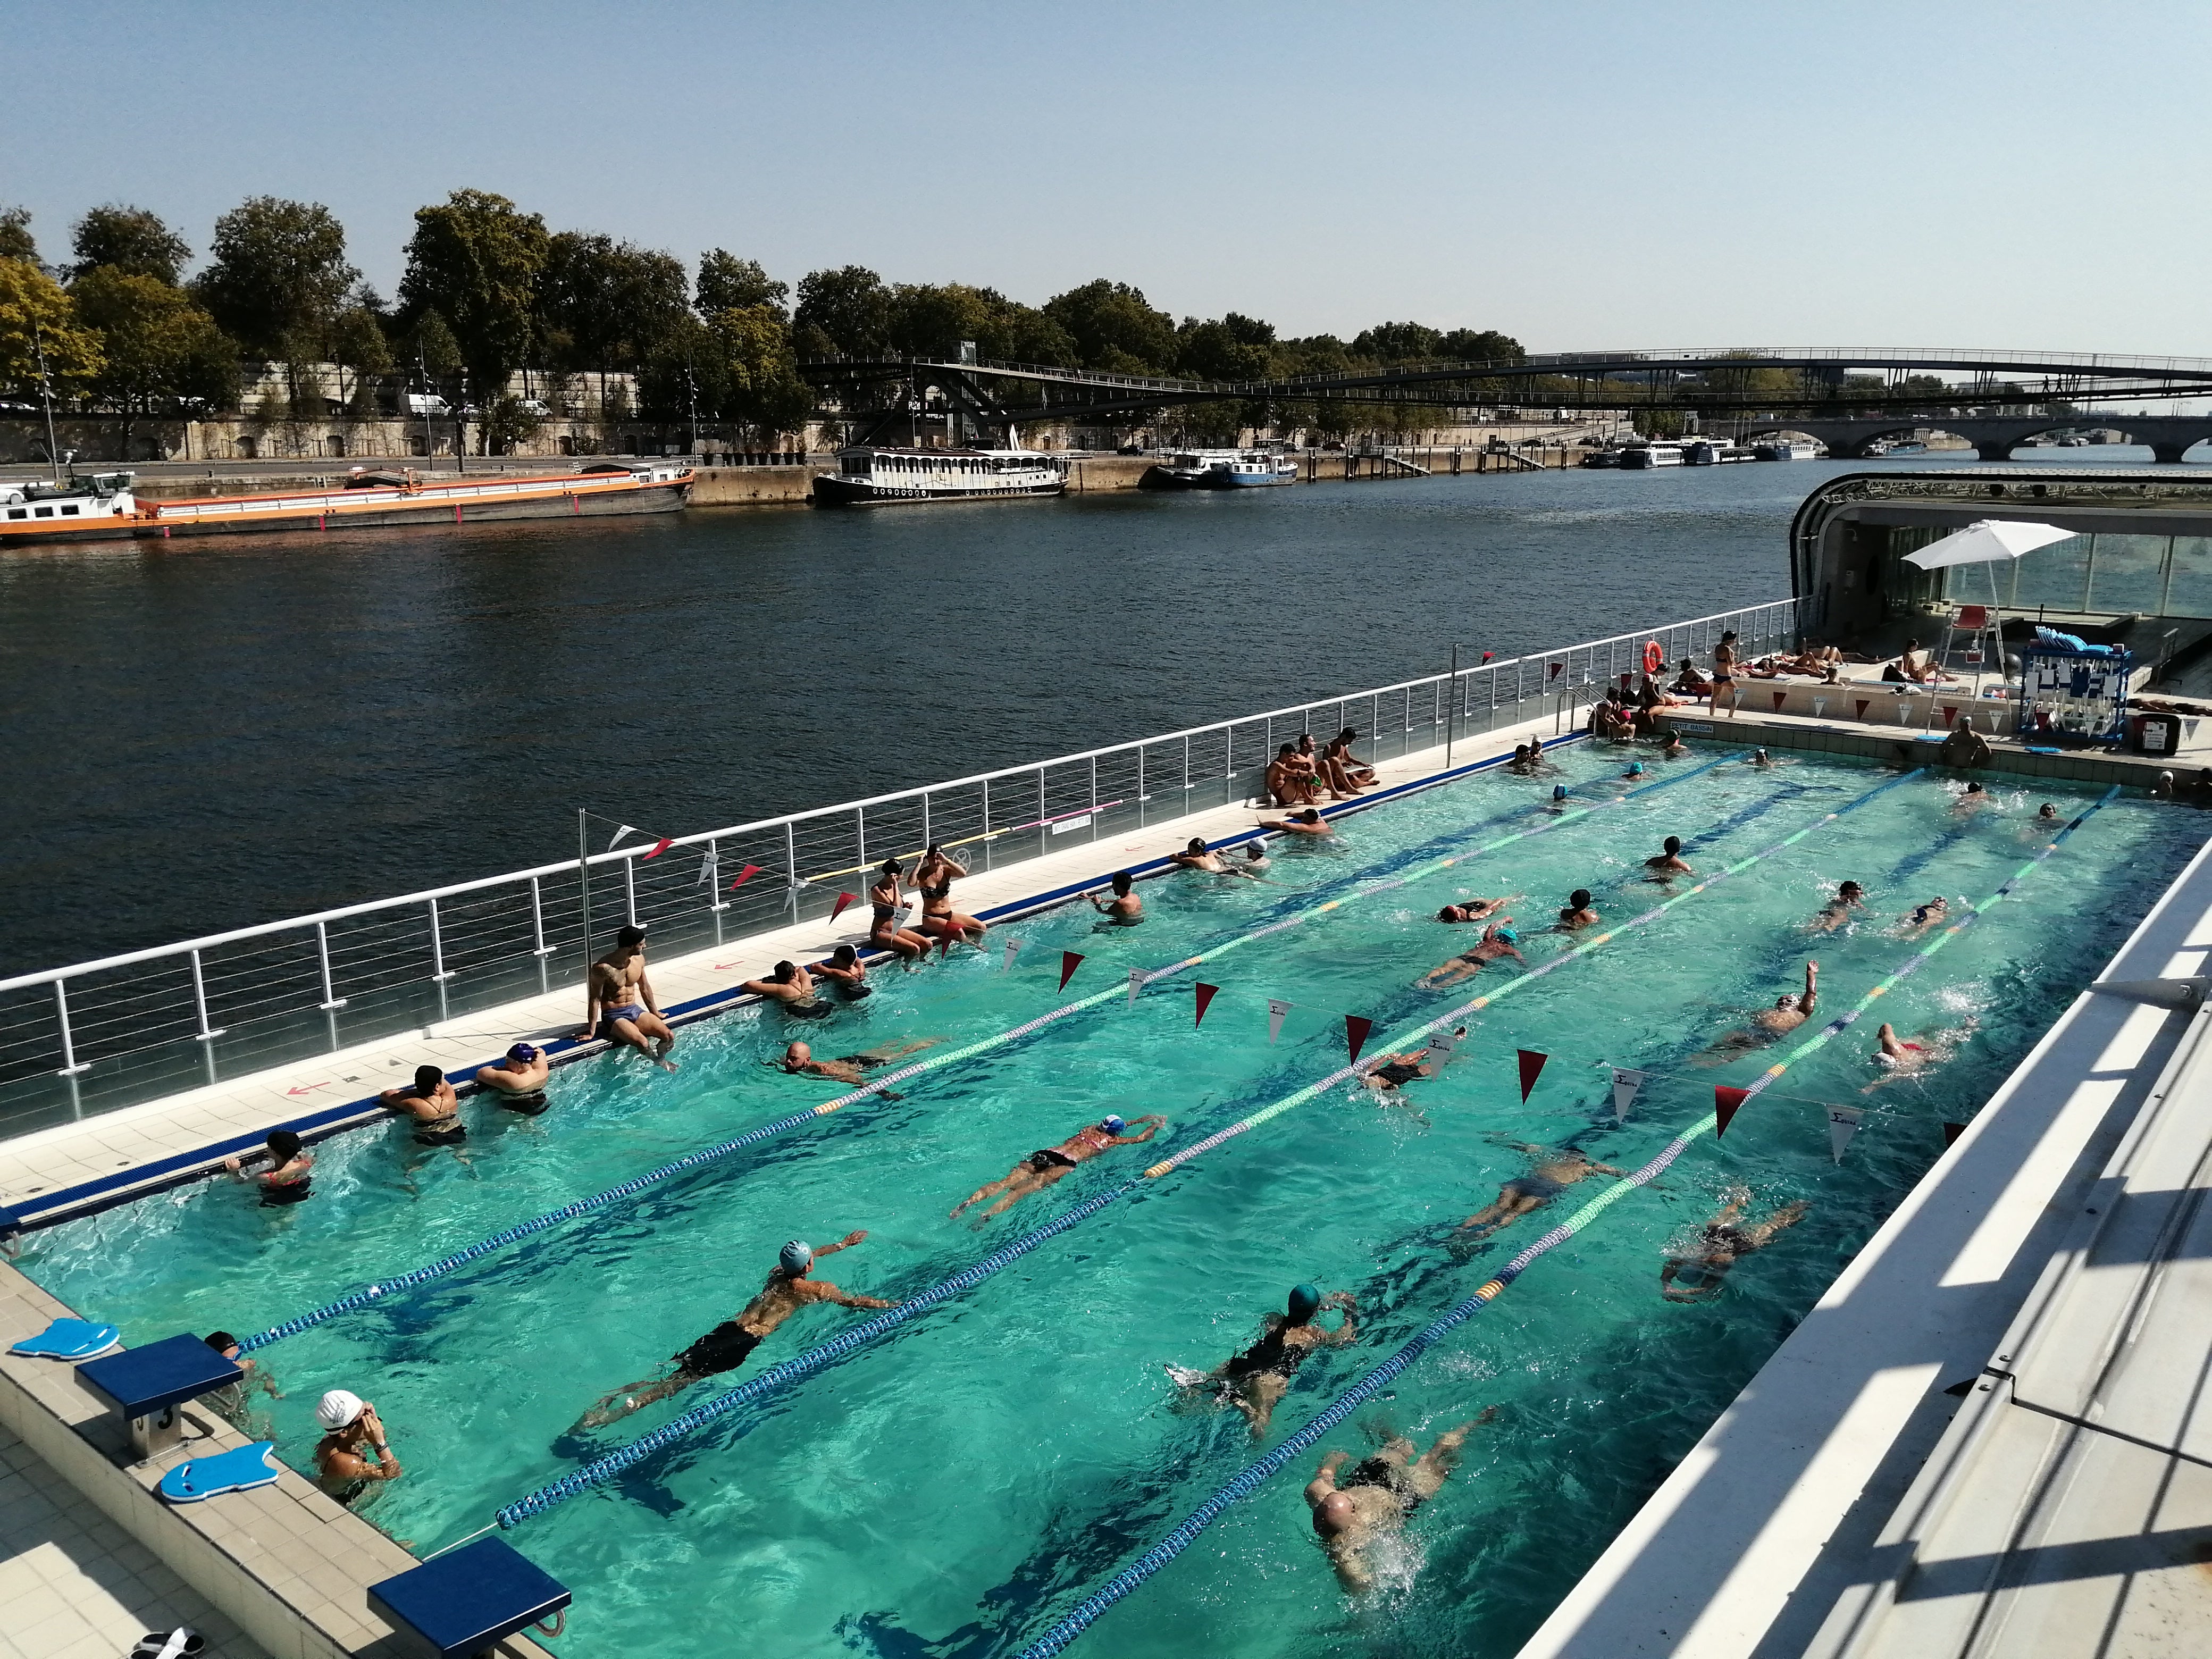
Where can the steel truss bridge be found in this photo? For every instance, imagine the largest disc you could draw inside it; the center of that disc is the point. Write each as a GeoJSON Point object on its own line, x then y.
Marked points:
{"type": "Point", "coordinates": [989, 394]}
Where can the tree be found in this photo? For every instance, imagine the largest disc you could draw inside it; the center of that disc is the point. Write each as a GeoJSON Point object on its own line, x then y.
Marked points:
{"type": "Point", "coordinates": [129, 240]}
{"type": "Point", "coordinates": [1114, 330]}
{"type": "Point", "coordinates": [16, 241]}
{"type": "Point", "coordinates": [432, 346]}
{"type": "Point", "coordinates": [358, 346]}
{"type": "Point", "coordinates": [1396, 342]}
{"type": "Point", "coordinates": [276, 276]}
{"type": "Point", "coordinates": [35, 314]}
{"type": "Point", "coordinates": [1236, 347]}
{"type": "Point", "coordinates": [507, 423]}
{"type": "Point", "coordinates": [729, 283]}
{"type": "Point", "coordinates": [158, 347]}
{"type": "Point", "coordinates": [1485, 345]}
{"type": "Point", "coordinates": [763, 387]}
{"type": "Point", "coordinates": [605, 304]}
{"type": "Point", "coordinates": [474, 260]}
{"type": "Point", "coordinates": [849, 308]}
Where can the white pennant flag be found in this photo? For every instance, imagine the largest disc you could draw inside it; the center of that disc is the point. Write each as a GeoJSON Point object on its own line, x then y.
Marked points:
{"type": "Point", "coordinates": [1276, 1010]}
{"type": "Point", "coordinates": [1013, 949]}
{"type": "Point", "coordinates": [1626, 1082]}
{"type": "Point", "coordinates": [898, 916]}
{"type": "Point", "coordinates": [709, 867]}
{"type": "Point", "coordinates": [1843, 1124]}
{"type": "Point", "coordinates": [1136, 979]}
{"type": "Point", "coordinates": [1441, 1045]}
{"type": "Point", "coordinates": [627, 829]}
{"type": "Point", "coordinates": [1820, 707]}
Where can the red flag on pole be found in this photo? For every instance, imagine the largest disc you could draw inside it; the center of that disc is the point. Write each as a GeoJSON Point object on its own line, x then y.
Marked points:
{"type": "Point", "coordinates": [1627, 680]}
{"type": "Point", "coordinates": [1206, 995]}
{"type": "Point", "coordinates": [1555, 668]}
{"type": "Point", "coordinates": [1532, 1066]}
{"type": "Point", "coordinates": [843, 899]}
{"type": "Point", "coordinates": [1725, 1103]}
{"type": "Point", "coordinates": [659, 847]}
{"type": "Point", "coordinates": [1861, 702]}
{"type": "Point", "coordinates": [1069, 962]}
{"type": "Point", "coordinates": [1952, 1132]}
{"type": "Point", "coordinates": [1355, 1034]}
{"type": "Point", "coordinates": [1487, 655]}
{"type": "Point", "coordinates": [1780, 697]}
{"type": "Point", "coordinates": [746, 875]}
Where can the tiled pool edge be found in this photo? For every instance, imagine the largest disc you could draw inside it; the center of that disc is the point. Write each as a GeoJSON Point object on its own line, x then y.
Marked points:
{"type": "Point", "coordinates": [201, 1162]}
{"type": "Point", "coordinates": [288, 1565]}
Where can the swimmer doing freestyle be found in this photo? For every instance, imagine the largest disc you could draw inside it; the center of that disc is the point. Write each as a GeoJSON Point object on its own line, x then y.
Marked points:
{"type": "Point", "coordinates": [1046, 1165]}
{"type": "Point", "coordinates": [730, 1343]}
{"type": "Point", "coordinates": [1367, 1507]}
{"type": "Point", "coordinates": [1254, 1380]}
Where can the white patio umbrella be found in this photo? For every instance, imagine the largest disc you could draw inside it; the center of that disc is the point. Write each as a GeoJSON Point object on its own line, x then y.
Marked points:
{"type": "Point", "coordinates": [1985, 542]}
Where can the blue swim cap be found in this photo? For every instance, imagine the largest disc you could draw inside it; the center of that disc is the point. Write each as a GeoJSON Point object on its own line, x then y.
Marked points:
{"type": "Point", "coordinates": [1111, 1124]}
{"type": "Point", "coordinates": [1304, 1299]}
{"type": "Point", "coordinates": [1559, 791]}
{"type": "Point", "coordinates": [796, 1257]}
{"type": "Point", "coordinates": [1636, 769]}
{"type": "Point", "coordinates": [526, 1053]}
{"type": "Point", "coordinates": [1509, 936]}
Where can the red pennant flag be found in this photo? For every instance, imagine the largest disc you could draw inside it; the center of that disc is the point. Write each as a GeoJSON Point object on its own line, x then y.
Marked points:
{"type": "Point", "coordinates": [944, 941]}
{"type": "Point", "coordinates": [1555, 668]}
{"type": "Point", "coordinates": [1950, 713]}
{"type": "Point", "coordinates": [1725, 1103]}
{"type": "Point", "coordinates": [1069, 962]}
{"type": "Point", "coordinates": [659, 847]}
{"type": "Point", "coordinates": [1780, 697]}
{"type": "Point", "coordinates": [1487, 655]}
{"type": "Point", "coordinates": [1532, 1066]}
{"type": "Point", "coordinates": [1355, 1034]}
{"type": "Point", "coordinates": [843, 899]}
{"type": "Point", "coordinates": [1861, 702]}
{"type": "Point", "coordinates": [1627, 681]}
{"type": "Point", "coordinates": [746, 875]}
{"type": "Point", "coordinates": [1952, 1132]}
{"type": "Point", "coordinates": [1206, 995]}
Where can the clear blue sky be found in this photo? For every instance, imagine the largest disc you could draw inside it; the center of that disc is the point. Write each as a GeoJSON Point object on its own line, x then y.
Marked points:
{"type": "Point", "coordinates": [1586, 175]}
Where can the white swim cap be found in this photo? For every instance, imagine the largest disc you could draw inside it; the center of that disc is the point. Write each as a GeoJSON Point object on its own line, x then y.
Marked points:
{"type": "Point", "coordinates": [337, 1409]}
{"type": "Point", "coordinates": [796, 1257]}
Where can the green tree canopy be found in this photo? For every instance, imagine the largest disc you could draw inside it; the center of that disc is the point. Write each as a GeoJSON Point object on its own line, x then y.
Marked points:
{"type": "Point", "coordinates": [129, 240]}
{"type": "Point", "coordinates": [606, 305]}
{"type": "Point", "coordinates": [849, 308]}
{"type": "Point", "coordinates": [729, 283]}
{"type": "Point", "coordinates": [1236, 348]}
{"type": "Point", "coordinates": [1483, 345]}
{"type": "Point", "coordinates": [474, 260]}
{"type": "Point", "coordinates": [34, 313]}
{"type": "Point", "coordinates": [930, 319]}
{"type": "Point", "coordinates": [16, 241]}
{"type": "Point", "coordinates": [157, 346]}
{"type": "Point", "coordinates": [276, 276]}
{"type": "Point", "coordinates": [1114, 330]}
{"type": "Point", "coordinates": [1396, 342]}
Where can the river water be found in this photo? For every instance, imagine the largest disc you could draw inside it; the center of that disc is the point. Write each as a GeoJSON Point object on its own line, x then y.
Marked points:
{"type": "Point", "coordinates": [208, 734]}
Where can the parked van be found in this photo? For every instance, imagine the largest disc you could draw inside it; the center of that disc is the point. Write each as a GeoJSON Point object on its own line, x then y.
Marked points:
{"type": "Point", "coordinates": [427, 403]}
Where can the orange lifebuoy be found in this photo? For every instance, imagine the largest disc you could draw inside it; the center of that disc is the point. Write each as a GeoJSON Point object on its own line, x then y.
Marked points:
{"type": "Point", "coordinates": [1654, 657]}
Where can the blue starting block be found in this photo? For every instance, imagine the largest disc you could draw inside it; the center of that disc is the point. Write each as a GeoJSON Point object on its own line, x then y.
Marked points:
{"type": "Point", "coordinates": [147, 1384]}
{"type": "Point", "coordinates": [461, 1604]}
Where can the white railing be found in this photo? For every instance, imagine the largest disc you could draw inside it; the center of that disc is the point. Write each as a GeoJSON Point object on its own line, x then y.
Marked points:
{"type": "Point", "coordinates": [106, 1033]}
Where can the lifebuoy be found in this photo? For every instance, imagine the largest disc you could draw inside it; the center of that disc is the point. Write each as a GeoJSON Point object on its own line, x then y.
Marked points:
{"type": "Point", "coordinates": [1654, 657]}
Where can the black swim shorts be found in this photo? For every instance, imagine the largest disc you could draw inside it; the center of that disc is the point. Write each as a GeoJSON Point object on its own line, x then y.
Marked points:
{"type": "Point", "coordinates": [722, 1349]}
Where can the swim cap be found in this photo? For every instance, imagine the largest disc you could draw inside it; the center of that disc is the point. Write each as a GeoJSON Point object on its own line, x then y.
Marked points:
{"type": "Point", "coordinates": [796, 1257]}
{"type": "Point", "coordinates": [1559, 791]}
{"type": "Point", "coordinates": [1303, 1300]}
{"type": "Point", "coordinates": [337, 1409]}
{"type": "Point", "coordinates": [1111, 1124]}
{"type": "Point", "coordinates": [1509, 936]}
{"type": "Point", "coordinates": [1636, 769]}
{"type": "Point", "coordinates": [525, 1052]}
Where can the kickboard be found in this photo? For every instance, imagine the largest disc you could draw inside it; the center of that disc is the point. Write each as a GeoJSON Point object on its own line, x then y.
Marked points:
{"type": "Point", "coordinates": [70, 1338]}
{"type": "Point", "coordinates": [241, 1469]}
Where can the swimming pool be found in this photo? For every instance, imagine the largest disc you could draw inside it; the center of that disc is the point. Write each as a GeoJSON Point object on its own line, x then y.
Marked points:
{"type": "Point", "coordinates": [957, 1485]}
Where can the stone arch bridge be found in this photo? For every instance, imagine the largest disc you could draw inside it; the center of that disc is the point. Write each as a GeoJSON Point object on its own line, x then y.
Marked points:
{"type": "Point", "coordinates": [1994, 437]}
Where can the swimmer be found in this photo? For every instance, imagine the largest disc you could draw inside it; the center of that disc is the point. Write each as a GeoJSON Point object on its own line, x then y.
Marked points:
{"type": "Point", "coordinates": [799, 1060]}
{"type": "Point", "coordinates": [1479, 909]}
{"type": "Point", "coordinates": [1287, 781]}
{"type": "Point", "coordinates": [933, 878]}
{"type": "Point", "coordinates": [431, 1102]}
{"type": "Point", "coordinates": [1388, 1072]}
{"type": "Point", "coordinates": [1519, 763]}
{"type": "Point", "coordinates": [1550, 1175]}
{"type": "Point", "coordinates": [1125, 908]}
{"type": "Point", "coordinates": [1558, 797]}
{"type": "Point", "coordinates": [1372, 1503]}
{"type": "Point", "coordinates": [792, 986]}
{"type": "Point", "coordinates": [231, 1401]}
{"type": "Point", "coordinates": [1669, 863]}
{"type": "Point", "coordinates": [518, 1081]}
{"type": "Point", "coordinates": [1254, 1380]}
{"type": "Point", "coordinates": [1635, 770]}
{"type": "Point", "coordinates": [2162, 789]}
{"type": "Point", "coordinates": [730, 1343]}
{"type": "Point", "coordinates": [887, 931]}
{"type": "Point", "coordinates": [1899, 1058]}
{"type": "Point", "coordinates": [1198, 856]}
{"type": "Point", "coordinates": [1724, 668]}
{"type": "Point", "coordinates": [1498, 941]}
{"type": "Point", "coordinates": [1675, 748]}
{"type": "Point", "coordinates": [1790, 1010]}
{"type": "Point", "coordinates": [350, 1428]}
{"type": "Point", "coordinates": [2043, 826]}
{"type": "Point", "coordinates": [286, 1179]}
{"type": "Point", "coordinates": [1762, 760]}
{"type": "Point", "coordinates": [847, 974]}
{"type": "Point", "coordinates": [1696, 1276]}
{"type": "Point", "coordinates": [1922, 917]}
{"type": "Point", "coordinates": [619, 1007]}
{"type": "Point", "coordinates": [1308, 822]}
{"type": "Point", "coordinates": [1577, 912]}
{"type": "Point", "coordinates": [1255, 857]}
{"type": "Point", "coordinates": [2047, 812]}
{"type": "Point", "coordinates": [1041, 1169]}
{"type": "Point", "coordinates": [1972, 799]}
{"type": "Point", "coordinates": [1838, 910]}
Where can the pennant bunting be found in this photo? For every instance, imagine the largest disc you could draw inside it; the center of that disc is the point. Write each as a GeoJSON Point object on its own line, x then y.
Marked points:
{"type": "Point", "coordinates": [1725, 1104]}
{"type": "Point", "coordinates": [659, 847]}
{"type": "Point", "coordinates": [944, 941]}
{"type": "Point", "coordinates": [899, 915]}
{"type": "Point", "coordinates": [1013, 949]}
{"type": "Point", "coordinates": [1861, 702]}
{"type": "Point", "coordinates": [1206, 995]}
{"type": "Point", "coordinates": [1136, 983]}
{"type": "Point", "coordinates": [1555, 667]}
{"type": "Point", "coordinates": [1532, 1066]}
{"type": "Point", "coordinates": [1820, 707]}
{"type": "Point", "coordinates": [1951, 714]}
{"type": "Point", "coordinates": [843, 899]}
{"type": "Point", "coordinates": [1952, 1132]}
{"type": "Point", "coordinates": [1487, 655]}
{"type": "Point", "coordinates": [1625, 1083]}
{"type": "Point", "coordinates": [1276, 1009]}
{"type": "Point", "coordinates": [1069, 962]}
{"type": "Point", "coordinates": [1441, 1044]}
{"type": "Point", "coordinates": [1780, 697]}
{"type": "Point", "coordinates": [1355, 1034]}
{"type": "Point", "coordinates": [745, 876]}
{"type": "Point", "coordinates": [627, 829]}
{"type": "Point", "coordinates": [1843, 1124]}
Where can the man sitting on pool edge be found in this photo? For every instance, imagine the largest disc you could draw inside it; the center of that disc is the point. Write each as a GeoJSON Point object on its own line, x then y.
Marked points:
{"type": "Point", "coordinates": [730, 1343]}
{"type": "Point", "coordinates": [619, 1007]}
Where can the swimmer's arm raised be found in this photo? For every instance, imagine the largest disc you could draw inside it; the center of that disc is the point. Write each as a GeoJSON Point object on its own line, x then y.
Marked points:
{"type": "Point", "coordinates": [845, 1244]}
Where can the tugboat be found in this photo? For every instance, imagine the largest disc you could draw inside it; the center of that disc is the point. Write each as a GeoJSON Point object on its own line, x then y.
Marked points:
{"type": "Point", "coordinates": [868, 476]}
{"type": "Point", "coordinates": [93, 508]}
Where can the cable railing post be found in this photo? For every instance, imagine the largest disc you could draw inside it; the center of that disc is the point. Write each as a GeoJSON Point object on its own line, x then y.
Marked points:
{"type": "Point", "coordinates": [860, 833]}
{"type": "Point", "coordinates": [331, 1000]}
{"type": "Point", "coordinates": [70, 1066]}
{"type": "Point", "coordinates": [715, 902]}
{"type": "Point", "coordinates": [629, 889]}
{"type": "Point", "coordinates": [927, 840]}
{"type": "Point", "coordinates": [207, 1033]}
{"type": "Point", "coordinates": [1185, 765]}
{"type": "Point", "coordinates": [538, 921]}
{"type": "Point", "coordinates": [437, 948]}
{"type": "Point", "coordinates": [791, 882]}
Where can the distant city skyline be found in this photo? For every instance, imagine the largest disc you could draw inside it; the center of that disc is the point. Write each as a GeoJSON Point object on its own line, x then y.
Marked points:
{"type": "Point", "coordinates": [1613, 176]}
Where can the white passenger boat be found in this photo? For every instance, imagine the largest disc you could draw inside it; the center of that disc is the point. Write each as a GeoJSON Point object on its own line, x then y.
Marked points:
{"type": "Point", "coordinates": [870, 476]}
{"type": "Point", "coordinates": [1787, 449]}
{"type": "Point", "coordinates": [1713, 452]}
{"type": "Point", "coordinates": [1641, 456]}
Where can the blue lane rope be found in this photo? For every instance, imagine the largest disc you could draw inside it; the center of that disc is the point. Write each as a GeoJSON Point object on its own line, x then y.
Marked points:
{"type": "Point", "coordinates": [353, 1301]}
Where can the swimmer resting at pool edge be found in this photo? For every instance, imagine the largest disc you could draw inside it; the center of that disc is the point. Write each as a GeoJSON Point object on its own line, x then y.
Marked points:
{"type": "Point", "coordinates": [727, 1346]}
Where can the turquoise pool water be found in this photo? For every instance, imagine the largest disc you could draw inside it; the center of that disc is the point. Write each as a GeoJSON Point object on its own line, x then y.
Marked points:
{"type": "Point", "coordinates": [956, 1486]}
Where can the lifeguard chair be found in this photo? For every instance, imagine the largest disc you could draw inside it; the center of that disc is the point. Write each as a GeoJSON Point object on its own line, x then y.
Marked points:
{"type": "Point", "coordinates": [1971, 643]}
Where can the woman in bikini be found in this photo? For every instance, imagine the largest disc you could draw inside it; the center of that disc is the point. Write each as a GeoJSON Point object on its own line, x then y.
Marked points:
{"type": "Point", "coordinates": [431, 1102]}
{"type": "Point", "coordinates": [289, 1178]}
{"type": "Point", "coordinates": [885, 932]}
{"type": "Point", "coordinates": [934, 876]}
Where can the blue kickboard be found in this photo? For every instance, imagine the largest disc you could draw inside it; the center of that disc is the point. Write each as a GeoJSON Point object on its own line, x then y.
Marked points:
{"type": "Point", "coordinates": [241, 1469]}
{"type": "Point", "coordinates": [70, 1338]}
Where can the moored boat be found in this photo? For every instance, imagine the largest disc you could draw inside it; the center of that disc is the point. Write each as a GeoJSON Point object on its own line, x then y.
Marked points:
{"type": "Point", "coordinates": [93, 508]}
{"type": "Point", "coordinates": [870, 476]}
{"type": "Point", "coordinates": [1640, 457]}
{"type": "Point", "coordinates": [1252, 469]}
